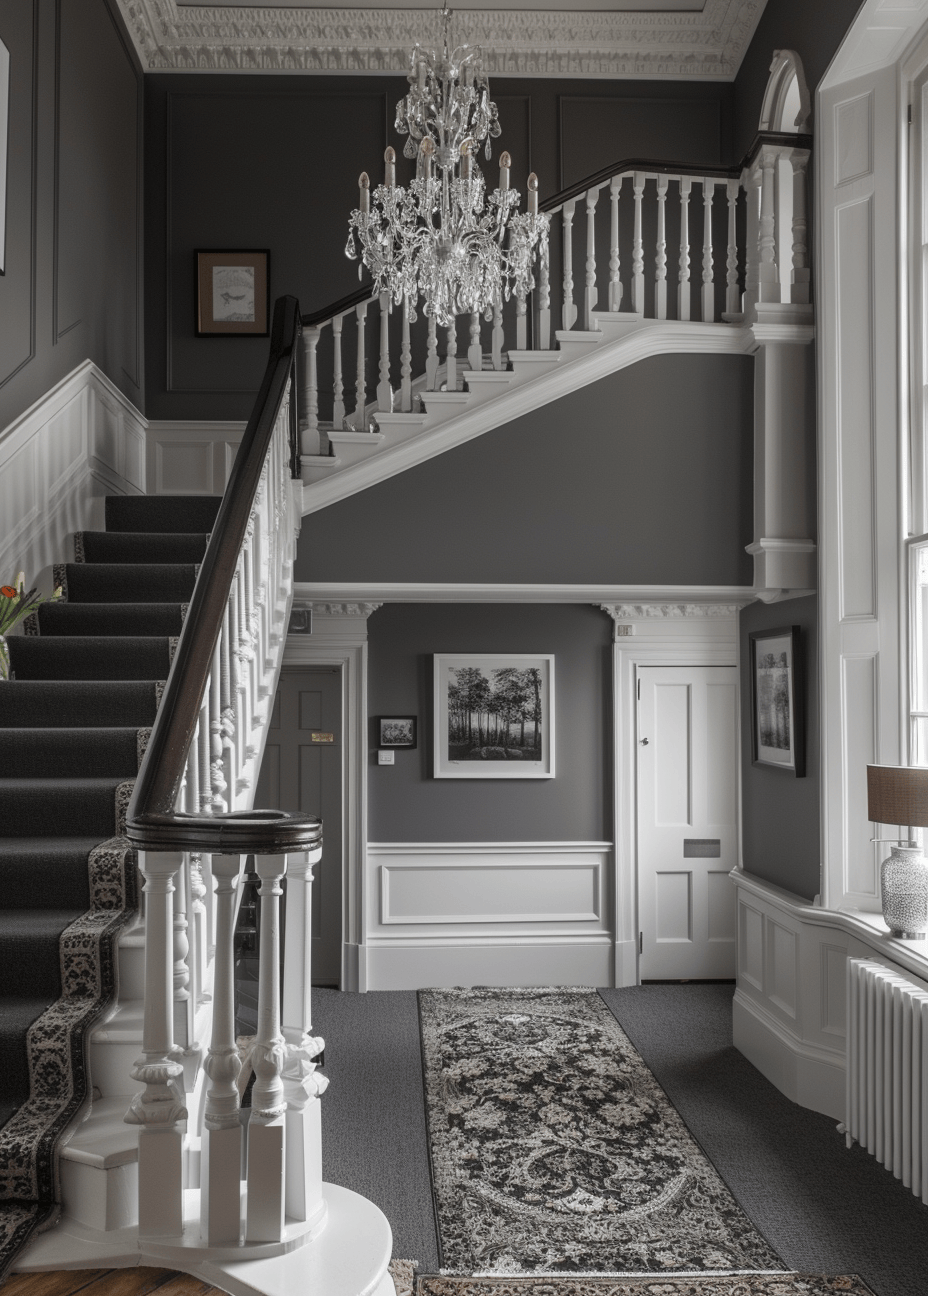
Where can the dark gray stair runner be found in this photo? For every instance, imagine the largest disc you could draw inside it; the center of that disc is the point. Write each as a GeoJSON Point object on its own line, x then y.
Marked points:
{"type": "Point", "coordinates": [87, 680]}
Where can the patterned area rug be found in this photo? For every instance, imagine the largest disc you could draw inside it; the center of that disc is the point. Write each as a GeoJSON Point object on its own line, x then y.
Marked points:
{"type": "Point", "coordinates": [554, 1149]}
{"type": "Point", "coordinates": [753, 1285]}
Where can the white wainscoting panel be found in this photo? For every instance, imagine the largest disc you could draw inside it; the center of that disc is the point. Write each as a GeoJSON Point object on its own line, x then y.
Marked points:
{"type": "Point", "coordinates": [81, 441]}
{"type": "Point", "coordinates": [191, 458]}
{"type": "Point", "coordinates": [487, 913]}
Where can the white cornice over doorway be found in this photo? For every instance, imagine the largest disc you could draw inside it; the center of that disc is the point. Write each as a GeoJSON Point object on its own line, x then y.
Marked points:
{"type": "Point", "coordinates": [682, 40]}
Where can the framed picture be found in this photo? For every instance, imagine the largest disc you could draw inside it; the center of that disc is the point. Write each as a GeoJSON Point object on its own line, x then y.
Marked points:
{"type": "Point", "coordinates": [777, 722]}
{"type": "Point", "coordinates": [494, 716]}
{"type": "Point", "coordinates": [396, 731]}
{"type": "Point", "coordinates": [4, 145]}
{"type": "Point", "coordinates": [233, 293]}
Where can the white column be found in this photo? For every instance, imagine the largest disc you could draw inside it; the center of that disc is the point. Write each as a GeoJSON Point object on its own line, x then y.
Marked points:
{"type": "Point", "coordinates": [159, 1109]}
{"type": "Point", "coordinates": [266, 1128]}
{"type": "Point", "coordinates": [220, 1166]}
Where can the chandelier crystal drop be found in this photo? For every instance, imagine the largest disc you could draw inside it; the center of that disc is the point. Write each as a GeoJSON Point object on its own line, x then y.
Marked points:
{"type": "Point", "coordinates": [445, 240]}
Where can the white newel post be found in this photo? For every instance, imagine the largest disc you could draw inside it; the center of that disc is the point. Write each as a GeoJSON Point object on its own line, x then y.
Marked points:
{"type": "Point", "coordinates": [303, 1084]}
{"type": "Point", "coordinates": [221, 1157]}
{"type": "Point", "coordinates": [159, 1109]}
{"type": "Point", "coordinates": [266, 1128]}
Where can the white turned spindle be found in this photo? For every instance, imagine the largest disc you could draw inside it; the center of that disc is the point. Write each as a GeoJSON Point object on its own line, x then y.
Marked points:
{"type": "Point", "coordinates": [521, 323]}
{"type": "Point", "coordinates": [660, 260]}
{"type": "Point", "coordinates": [203, 755]}
{"type": "Point", "coordinates": [451, 357]}
{"type": "Point", "coordinates": [708, 284]}
{"type": "Point", "coordinates": [732, 295]}
{"type": "Point", "coordinates": [199, 928]}
{"type": "Point", "coordinates": [589, 299]}
{"type": "Point", "coordinates": [338, 384]}
{"type": "Point", "coordinates": [310, 442]}
{"type": "Point", "coordinates": [229, 702]}
{"type": "Point", "coordinates": [266, 1128]}
{"type": "Point", "coordinates": [615, 283]}
{"type": "Point", "coordinates": [638, 183]}
{"type": "Point", "coordinates": [220, 1167]}
{"type": "Point", "coordinates": [181, 951]}
{"type": "Point", "coordinates": [302, 1083]}
{"type": "Point", "coordinates": [431, 359]}
{"type": "Point", "coordinates": [360, 399]}
{"type": "Point", "coordinates": [406, 363]}
{"type": "Point", "coordinates": [543, 336]}
{"type": "Point", "coordinates": [801, 274]}
{"type": "Point", "coordinates": [384, 390]}
{"type": "Point", "coordinates": [768, 286]}
{"type": "Point", "coordinates": [683, 305]}
{"type": "Point", "coordinates": [159, 1109]}
{"type": "Point", "coordinates": [474, 350]}
{"type": "Point", "coordinates": [496, 336]}
{"type": "Point", "coordinates": [216, 770]}
{"type": "Point", "coordinates": [568, 310]}
{"type": "Point", "coordinates": [750, 182]}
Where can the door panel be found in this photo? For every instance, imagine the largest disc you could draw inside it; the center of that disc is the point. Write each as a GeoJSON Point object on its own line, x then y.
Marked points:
{"type": "Point", "coordinates": [302, 770]}
{"type": "Point", "coordinates": [687, 820]}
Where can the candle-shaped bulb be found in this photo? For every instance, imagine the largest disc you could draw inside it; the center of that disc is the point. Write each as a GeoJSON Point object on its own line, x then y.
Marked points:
{"type": "Point", "coordinates": [505, 162]}
{"type": "Point", "coordinates": [364, 185]}
{"type": "Point", "coordinates": [426, 149]}
{"type": "Point", "coordinates": [389, 158]}
{"type": "Point", "coordinates": [533, 194]}
{"type": "Point", "coordinates": [420, 72]}
{"type": "Point", "coordinates": [465, 159]}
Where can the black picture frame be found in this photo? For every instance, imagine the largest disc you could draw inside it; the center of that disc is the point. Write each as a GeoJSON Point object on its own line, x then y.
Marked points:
{"type": "Point", "coordinates": [233, 292]}
{"type": "Point", "coordinates": [397, 731]}
{"type": "Point", "coordinates": [777, 700]}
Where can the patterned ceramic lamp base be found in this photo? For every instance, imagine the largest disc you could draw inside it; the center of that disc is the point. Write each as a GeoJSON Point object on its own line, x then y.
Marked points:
{"type": "Point", "coordinates": [904, 888]}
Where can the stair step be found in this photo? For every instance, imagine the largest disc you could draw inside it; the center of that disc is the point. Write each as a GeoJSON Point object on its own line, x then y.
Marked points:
{"type": "Point", "coordinates": [59, 753]}
{"type": "Point", "coordinates": [444, 399]}
{"type": "Point", "coordinates": [616, 324]}
{"type": "Point", "coordinates": [398, 427]}
{"type": "Point", "coordinates": [59, 807]}
{"type": "Point", "coordinates": [315, 468]}
{"type": "Point", "coordinates": [104, 1140]}
{"type": "Point", "coordinates": [165, 513]}
{"type": "Point", "coordinates": [99, 619]}
{"type": "Point", "coordinates": [86, 657]}
{"type": "Point", "coordinates": [37, 872]}
{"type": "Point", "coordinates": [60, 704]}
{"type": "Point", "coordinates": [574, 343]}
{"type": "Point", "coordinates": [142, 547]}
{"type": "Point", "coordinates": [17, 1013]}
{"type": "Point", "coordinates": [528, 365]}
{"type": "Point", "coordinates": [352, 447]}
{"type": "Point", "coordinates": [29, 944]}
{"type": "Point", "coordinates": [140, 583]}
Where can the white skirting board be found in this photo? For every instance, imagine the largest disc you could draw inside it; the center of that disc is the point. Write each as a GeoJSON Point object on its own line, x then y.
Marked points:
{"type": "Point", "coordinates": [487, 913]}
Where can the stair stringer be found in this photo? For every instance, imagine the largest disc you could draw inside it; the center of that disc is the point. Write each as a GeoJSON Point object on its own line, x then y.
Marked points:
{"type": "Point", "coordinates": [642, 341]}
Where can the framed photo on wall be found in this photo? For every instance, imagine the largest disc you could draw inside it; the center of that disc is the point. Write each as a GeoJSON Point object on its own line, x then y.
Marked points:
{"type": "Point", "coordinates": [233, 292]}
{"type": "Point", "coordinates": [494, 715]}
{"type": "Point", "coordinates": [396, 731]}
{"type": "Point", "coordinates": [777, 720]}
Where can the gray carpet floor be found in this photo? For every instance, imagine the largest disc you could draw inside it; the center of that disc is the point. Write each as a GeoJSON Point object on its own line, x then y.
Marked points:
{"type": "Point", "coordinates": [823, 1208]}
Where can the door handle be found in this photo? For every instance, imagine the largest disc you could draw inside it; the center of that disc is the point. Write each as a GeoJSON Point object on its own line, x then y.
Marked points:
{"type": "Point", "coordinates": [644, 742]}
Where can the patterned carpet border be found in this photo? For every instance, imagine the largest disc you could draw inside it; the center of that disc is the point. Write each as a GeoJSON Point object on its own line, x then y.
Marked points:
{"type": "Point", "coordinates": [793, 1284]}
{"type": "Point", "coordinates": [57, 1047]}
{"type": "Point", "coordinates": [553, 1149]}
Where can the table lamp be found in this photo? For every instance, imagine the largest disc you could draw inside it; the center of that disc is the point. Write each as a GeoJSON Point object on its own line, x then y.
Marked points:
{"type": "Point", "coordinates": [898, 794]}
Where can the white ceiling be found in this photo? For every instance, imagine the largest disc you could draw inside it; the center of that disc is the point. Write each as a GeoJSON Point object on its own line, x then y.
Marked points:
{"type": "Point", "coordinates": [663, 39]}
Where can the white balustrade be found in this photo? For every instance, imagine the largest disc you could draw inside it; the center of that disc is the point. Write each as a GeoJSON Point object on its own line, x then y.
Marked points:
{"type": "Point", "coordinates": [708, 283]}
{"type": "Point", "coordinates": [660, 261]}
{"type": "Point", "coordinates": [590, 294]}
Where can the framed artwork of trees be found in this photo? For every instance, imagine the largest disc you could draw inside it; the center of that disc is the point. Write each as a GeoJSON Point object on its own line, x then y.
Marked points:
{"type": "Point", "coordinates": [494, 716]}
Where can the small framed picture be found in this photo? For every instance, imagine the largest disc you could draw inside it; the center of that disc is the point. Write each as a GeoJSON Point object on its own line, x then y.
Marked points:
{"type": "Point", "coordinates": [396, 731]}
{"type": "Point", "coordinates": [233, 293]}
{"type": "Point", "coordinates": [494, 716]}
{"type": "Point", "coordinates": [777, 722]}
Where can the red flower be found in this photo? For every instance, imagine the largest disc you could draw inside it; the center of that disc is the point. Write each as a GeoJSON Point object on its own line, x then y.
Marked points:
{"type": "Point", "coordinates": [8, 591]}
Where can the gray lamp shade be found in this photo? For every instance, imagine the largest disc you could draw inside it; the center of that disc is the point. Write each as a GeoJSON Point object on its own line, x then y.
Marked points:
{"type": "Point", "coordinates": [897, 794]}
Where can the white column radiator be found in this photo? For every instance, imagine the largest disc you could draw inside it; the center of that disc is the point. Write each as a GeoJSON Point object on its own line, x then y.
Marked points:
{"type": "Point", "coordinates": [887, 1071]}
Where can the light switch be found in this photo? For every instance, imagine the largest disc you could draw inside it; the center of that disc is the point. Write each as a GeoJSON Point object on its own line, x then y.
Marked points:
{"type": "Point", "coordinates": [385, 757]}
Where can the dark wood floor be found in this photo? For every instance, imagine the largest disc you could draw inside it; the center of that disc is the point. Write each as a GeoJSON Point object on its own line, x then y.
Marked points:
{"type": "Point", "coordinates": [108, 1282]}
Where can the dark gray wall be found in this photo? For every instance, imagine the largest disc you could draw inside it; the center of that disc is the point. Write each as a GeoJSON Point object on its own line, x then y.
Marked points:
{"type": "Point", "coordinates": [72, 287]}
{"type": "Point", "coordinates": [813, 28]}
{"type": "Point", "coordinates": [780, 813]}
{"type": "Point", "coordinates": [643, 477]}
{"type": "Point", "coordinates": [255, 162]}
{"type": "Point", "coordinates": [406, 804]}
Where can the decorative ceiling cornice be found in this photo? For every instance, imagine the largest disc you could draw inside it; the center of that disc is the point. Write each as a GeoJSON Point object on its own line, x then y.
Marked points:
{"type": "Point", "coordinates": [684, 45]}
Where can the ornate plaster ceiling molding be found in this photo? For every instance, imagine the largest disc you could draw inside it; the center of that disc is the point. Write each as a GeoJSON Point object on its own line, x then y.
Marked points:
{"type": "Point", "coordinates": [665, 611]}
{"type": "Point", "coordinates": [707, 45]}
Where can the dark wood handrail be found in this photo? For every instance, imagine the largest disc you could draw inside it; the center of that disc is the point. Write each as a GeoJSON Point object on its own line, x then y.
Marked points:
{"type": "Point", "coordinates": [153, 823]}
{"type": "Point", "coordinates": [362, 294]}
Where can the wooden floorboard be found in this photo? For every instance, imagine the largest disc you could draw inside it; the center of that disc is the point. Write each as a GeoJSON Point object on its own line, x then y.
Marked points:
{"type": "Point", "coordinates": [137, 1281]}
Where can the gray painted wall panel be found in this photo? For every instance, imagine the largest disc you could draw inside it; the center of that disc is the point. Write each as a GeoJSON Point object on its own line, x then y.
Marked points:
{"type": "Point", "coordinates": [643, 477]}
{"type": "Point", "coordinates": [406, 804]}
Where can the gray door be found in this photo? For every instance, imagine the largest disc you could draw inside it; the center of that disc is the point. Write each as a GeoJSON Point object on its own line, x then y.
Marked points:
{"type": "Point", "coordinates": [302, 770]}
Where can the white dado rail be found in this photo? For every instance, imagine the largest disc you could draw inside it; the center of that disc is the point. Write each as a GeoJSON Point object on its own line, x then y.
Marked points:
{"type": "Point", "coordinates": [487, 913]}
{"type": "Point", "coordinates": [790, 1001]}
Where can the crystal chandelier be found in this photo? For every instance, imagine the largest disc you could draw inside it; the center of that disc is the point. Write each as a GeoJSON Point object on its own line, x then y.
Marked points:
{"type": "Point", "coordinates": [445, 240]}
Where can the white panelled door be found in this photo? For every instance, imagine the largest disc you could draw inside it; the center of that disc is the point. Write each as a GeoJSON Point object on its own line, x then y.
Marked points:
{"type": "Point", "coordinates": [687, 821]}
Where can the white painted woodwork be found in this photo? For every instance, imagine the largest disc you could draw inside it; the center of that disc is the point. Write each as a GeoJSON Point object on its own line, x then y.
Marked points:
{"type": "Point", "coordinates": [568, 310]}
{"type": "Point", "coordinates": [186, 457]}
{"type": "Point", "coordinates": [79, 442]}
{"type": "Point", "coordinates": [688, 761]}
{"type": "Point", "coordinates": [590, 291]}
